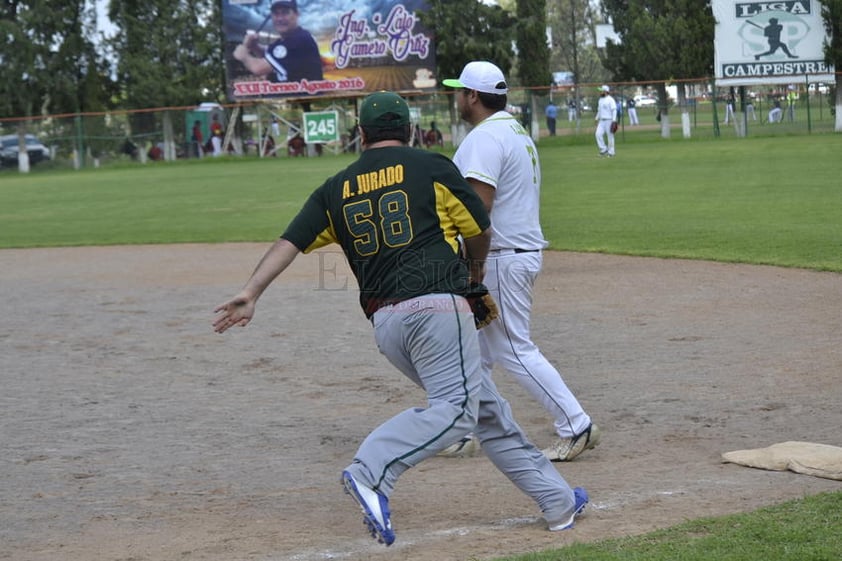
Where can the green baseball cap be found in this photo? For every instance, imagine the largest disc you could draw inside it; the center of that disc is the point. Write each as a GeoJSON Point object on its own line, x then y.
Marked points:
{"type": "Point", "coordinates": [384, 110]}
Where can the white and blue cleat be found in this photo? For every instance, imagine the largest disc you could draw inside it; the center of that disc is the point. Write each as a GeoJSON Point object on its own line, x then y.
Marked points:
{"type": "Point", "coordinates": [581, 497]}
{"type": "Point", "coordinates": [375, 509]}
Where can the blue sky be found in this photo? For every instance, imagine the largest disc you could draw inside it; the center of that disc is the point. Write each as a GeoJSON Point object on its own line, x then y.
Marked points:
{"type": "Point", "coordinates": [102, 22]}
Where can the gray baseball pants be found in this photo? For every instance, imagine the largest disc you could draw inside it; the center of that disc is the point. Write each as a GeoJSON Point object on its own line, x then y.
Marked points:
{"type": "Point", "coordinates": [433, 342]}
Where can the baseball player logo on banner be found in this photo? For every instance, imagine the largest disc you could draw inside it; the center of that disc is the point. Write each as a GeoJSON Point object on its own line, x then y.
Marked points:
{"type": "Point", "coordinates": [302, 48]}
{"type": "Point", "coordinates": [769, 42]}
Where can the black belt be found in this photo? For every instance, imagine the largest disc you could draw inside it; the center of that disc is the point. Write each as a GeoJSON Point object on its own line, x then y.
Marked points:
{"type": "Point", "coordinates": [515, 250]}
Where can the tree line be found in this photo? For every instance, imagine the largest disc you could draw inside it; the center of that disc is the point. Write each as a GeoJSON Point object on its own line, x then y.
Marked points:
{"type": "Point", "coordinates": [169, 52]}
{"type": "Point", "coordinates": [54, 61]}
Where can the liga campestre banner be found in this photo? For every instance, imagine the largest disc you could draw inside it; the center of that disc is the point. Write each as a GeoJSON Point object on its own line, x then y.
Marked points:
{"type": "Point", "coordinates": [305, 48]}
{"type": "Point", "coordinates": [769, 42]}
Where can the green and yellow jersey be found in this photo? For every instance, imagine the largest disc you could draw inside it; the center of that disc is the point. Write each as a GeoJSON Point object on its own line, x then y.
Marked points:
{"type": "Point", "coordinates": [397, 213]}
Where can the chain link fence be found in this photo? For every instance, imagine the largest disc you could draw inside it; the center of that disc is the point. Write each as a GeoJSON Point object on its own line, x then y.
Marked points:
{"type": "Point", "coordinates": [273, 128]}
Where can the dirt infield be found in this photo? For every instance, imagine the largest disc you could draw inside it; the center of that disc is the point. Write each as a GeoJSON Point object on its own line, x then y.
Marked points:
{"type": "Point", "coordinates": [130, 431]}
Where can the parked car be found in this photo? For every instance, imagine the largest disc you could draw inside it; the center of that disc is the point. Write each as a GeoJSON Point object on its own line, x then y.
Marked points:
{"type": "Point", "coordinates": [645, 101]}
{"type": "Point", "coordinates": [9, 149]}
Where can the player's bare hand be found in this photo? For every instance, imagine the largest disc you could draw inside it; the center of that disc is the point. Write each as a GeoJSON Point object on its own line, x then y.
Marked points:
{"type": "Point", "coordinates": [238, 311]}
{"type": "Point", "coordinates": [241, 52]}
{"type": "Point", "coordinates": [251, 41]}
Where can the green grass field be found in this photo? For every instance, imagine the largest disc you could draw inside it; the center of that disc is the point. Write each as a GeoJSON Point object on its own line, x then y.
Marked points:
{"type": "Point", "coordinates": [771, 200]}
{"type": "Point", "coordinates": [763, 200]}
{"type": "Point", "coordinates": [767, 200]}
{"type": "Point", "coordinates": [806, 529]}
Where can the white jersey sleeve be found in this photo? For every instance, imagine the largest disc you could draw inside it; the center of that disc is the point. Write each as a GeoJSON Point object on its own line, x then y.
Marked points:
{"type": "Point", "coordinates": [500, 153]}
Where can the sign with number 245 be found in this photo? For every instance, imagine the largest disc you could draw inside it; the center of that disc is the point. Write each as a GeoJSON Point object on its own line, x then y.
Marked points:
{"type": "Point", "coordinates": [321, 127]}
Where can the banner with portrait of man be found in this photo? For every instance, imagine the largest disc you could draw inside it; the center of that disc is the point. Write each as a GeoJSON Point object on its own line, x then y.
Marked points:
{"type": "Point", "coordinates": [304, 48]}
{"type": "Point", "coordinates": [769, 42]}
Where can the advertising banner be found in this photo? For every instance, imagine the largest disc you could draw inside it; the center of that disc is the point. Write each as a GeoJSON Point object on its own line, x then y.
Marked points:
{"type": "Point", "coordinates": [769, 42]}
{"type": "Point", "coordinates": [304, 48]}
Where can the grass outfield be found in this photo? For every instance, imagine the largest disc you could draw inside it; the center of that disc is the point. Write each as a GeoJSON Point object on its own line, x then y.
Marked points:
{"type": "Point", "coordinates": [210, 200]}
{"type": "Point", "coordinates": [759, 200]}
{"type": "Point", "coordinates": [762, 200]}
{"type": "Point", "coordinates": [806, 529]}
{"type": "Point", "coordinates": [770, 200]}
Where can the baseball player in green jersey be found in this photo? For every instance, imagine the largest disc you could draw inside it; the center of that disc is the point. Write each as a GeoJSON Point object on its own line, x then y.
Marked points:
{"type": "Point", "coordinates": [397, 213]}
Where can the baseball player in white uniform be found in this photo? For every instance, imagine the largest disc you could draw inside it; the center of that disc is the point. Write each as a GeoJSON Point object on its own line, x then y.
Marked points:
{"type": "Point", "coordinates": [499, 159]}
{"type": "Point", "coordinates": [606, 113]}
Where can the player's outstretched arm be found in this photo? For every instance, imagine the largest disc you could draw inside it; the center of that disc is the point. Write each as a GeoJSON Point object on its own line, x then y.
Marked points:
{"type": "Point", "coordinates": [240, 309]}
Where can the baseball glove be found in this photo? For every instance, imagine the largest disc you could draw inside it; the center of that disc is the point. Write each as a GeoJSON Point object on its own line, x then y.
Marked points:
{"type": "Point", "coordinates": [482, 304]}
{"type": "Point", "coordinates": [614, 126]}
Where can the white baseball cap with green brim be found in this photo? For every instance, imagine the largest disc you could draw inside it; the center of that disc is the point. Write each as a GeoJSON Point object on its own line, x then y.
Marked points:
{"type": "Point", "coordinates": [481, 76]}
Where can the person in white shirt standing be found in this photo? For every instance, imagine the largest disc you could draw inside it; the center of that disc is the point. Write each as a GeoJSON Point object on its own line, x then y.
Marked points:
{"type": "Point", "coordinates": [606, 115]}
{"type": "Point", "coordinates": [500, 160]}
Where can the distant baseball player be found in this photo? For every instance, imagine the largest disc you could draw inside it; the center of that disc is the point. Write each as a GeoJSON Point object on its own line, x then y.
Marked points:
{"type": "Point", "coordinates": [291, 58]}
{"type": "Point", "coordinates": [776, 114]}
{"type": "Point", "coordinates": [397, 213]}
{"type": "Point", "coordinates": [216, 135]}
{"type": "Point", "coordinates": [572, 110]}
{"type": "Point", "coordinates": [632, 108]}
{"type": "Point", "coordinates": [606, 116]}
{"type": "Point", "coordinates": [500, 161]}
{"type": "Point", "coordinates": [730, 104]}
